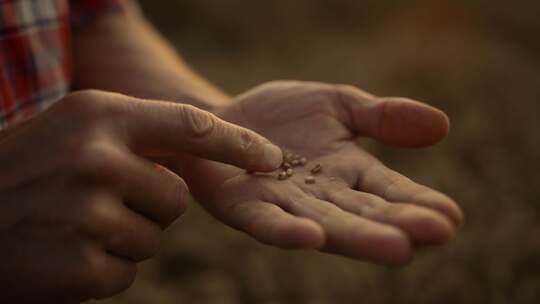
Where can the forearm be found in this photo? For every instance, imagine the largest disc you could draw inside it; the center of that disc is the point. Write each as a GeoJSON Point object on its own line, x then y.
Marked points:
{"type": "Point", "coordinates": [121, 52]}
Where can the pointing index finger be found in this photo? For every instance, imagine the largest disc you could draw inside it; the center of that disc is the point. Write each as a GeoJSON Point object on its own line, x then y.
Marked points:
{"type": "Point", "coordinates": [163, 128]}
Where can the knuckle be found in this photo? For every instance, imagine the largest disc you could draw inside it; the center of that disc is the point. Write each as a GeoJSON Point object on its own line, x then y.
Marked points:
{"type": "Point", "coordinates": [85, 95]}
{"type": "Point", "coordinates": [94, 211]}
{"type": "Point", "coordinates": [97, 204]}
{"type": "Point", "coordinates": [87, 109]}
{"type": "Point", "coordinates": [346, 92]}
{"type": "Point", "coordinates": [198, 123]}
{"type": "Point", "coordinates": [73, 115]}
{"type": "Point", "coordinates": [341, 91]}
{"type": "Point", "coordinates": [82, 104]}
{"type": "Point", "coordinates": [343, 87]}
{"type": "Point", "coordinates": [96, 159]}
{"type": "Point", "coordinates": [89, 271]}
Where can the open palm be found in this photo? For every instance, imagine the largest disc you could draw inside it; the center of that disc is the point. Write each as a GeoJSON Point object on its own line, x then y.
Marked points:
{"type": "Point", "coordinates": [357, 207]}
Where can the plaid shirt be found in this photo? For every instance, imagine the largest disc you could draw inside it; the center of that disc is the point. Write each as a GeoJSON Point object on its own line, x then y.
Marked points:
{"type": "Point", "coordinates": [35, 67]}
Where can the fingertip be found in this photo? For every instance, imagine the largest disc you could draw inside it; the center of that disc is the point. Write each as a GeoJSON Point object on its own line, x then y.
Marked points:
{"type": "Point", "coordinates": [272, 157]}
{"type": "Point", "coordinates": [446, 122]}
{"type": "Point", "coordinates": [313, 236]}
{"type": "Point", "coordinates": [444, 205]}
{"type": "Point", "coordinates": [457, 216]}
{"type": "Point", "coordinates": [439, 126]}
{"type": "Point", "coordinates": [442, 230]}
{"type": "Point", "coordinates": [408, 123]}
{"type": "Point", "coordinates": [389, 246]}
{"type": "Point", "coordinates": [396, 248]}
{"type": "Point", "coordinates": [302, 233]}
{"type": "Point", "coordinates": [425, 226]}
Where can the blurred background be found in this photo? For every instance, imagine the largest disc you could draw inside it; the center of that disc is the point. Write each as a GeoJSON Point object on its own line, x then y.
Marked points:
{"type": "Point", "coordinates": [479, 60]}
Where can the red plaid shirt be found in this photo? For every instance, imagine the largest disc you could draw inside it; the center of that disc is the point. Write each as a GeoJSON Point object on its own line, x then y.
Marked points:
{"type": "Point", "coordinates": [35, 67]}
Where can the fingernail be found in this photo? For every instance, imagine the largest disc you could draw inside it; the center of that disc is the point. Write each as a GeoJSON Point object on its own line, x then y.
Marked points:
{"type": "Point", "coordinates": [272, 155]}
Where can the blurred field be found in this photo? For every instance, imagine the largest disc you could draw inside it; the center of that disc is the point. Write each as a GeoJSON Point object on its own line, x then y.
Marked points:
{"type": "Point", "coordinates": [478, 60]}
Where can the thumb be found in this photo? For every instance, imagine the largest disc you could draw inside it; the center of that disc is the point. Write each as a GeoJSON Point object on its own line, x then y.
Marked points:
{"type": "Point", "coordinates": [156, 128]}
{"type": "Point", "coordinates": [395, 121]}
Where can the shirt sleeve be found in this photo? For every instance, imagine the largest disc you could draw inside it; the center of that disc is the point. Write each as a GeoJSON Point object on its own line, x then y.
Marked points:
{"type": "Point", "coordinates": [84, 11]}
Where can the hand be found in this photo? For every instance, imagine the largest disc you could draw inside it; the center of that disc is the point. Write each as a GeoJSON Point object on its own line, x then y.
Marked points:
{"type": "Point", "coordinates": [80, 206]}
{"type": "Point", "coordinates": [357, 207]}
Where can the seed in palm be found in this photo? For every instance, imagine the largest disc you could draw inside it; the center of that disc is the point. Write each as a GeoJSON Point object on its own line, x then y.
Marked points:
{"type": "Point", "coordinates": [310, 179]}
{"type": "Point", "coordinates": [316, 169]}
{"type": "Point", "coordinates": [289, 172]}
{"type": "Point", "coordinates": [286, 165]}
{"type": "Point", "coordinates": [291, 160]}
{"type": "Point", "coordinates": [287, 156]}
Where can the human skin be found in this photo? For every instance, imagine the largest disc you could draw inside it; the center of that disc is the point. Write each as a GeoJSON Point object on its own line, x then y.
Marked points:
{"type": "Point", "coordinates": [358, 207]}
{"type": "Point", "coordinates": [367, 211]}
{"type": "Point", "coordinates": [80, 203]}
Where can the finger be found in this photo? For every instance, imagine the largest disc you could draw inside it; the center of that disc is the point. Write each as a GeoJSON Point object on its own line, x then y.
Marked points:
{"type": "Point", "coordinates": [147, 188]}
{"type": "Point", "coordinates": [165, 208]}
{"type": "Point", "coordinates": [73, 270]}
{"type": "Point", "coordinates": [269, 224]}
{"type": "Point", "coordinates": [24, 260]}
{"type": "Point", "coordinates": [166, 128]}
{"type": "Point", "coordinates": [394, 187]}
{"type": "Point", "coordinates": [120, 231]}
{"type": "Point", "coordinates": [351, 235]}
{"type": "Point", "coordinates": [423, 226]}
{"type": "Point", "coordinates": [100, 275]}
{"type": "Point", "coordinates": [101, 215]}
{"type": "Point", "coordinates": [391, 120]}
